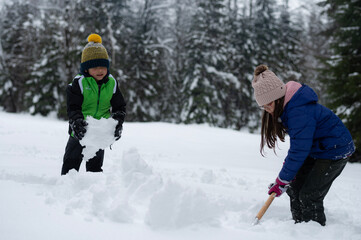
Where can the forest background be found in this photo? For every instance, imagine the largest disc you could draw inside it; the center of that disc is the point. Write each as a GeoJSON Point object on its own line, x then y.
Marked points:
{"type": "Point", "coordinates": [184, 61]}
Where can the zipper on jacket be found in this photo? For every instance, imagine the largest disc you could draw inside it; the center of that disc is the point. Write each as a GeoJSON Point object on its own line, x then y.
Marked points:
{"type": "Point", "coordinates": [96, 112]}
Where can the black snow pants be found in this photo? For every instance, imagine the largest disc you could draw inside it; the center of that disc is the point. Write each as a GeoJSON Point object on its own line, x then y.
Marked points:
{"type": "Point", "coordinates": [310, 187]}
{"type": "Point", "coordinates": [73, 158]}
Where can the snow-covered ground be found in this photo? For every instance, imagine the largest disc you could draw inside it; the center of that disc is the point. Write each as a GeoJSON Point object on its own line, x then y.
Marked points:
{"type": "Point", "coordinates": [160, 181]}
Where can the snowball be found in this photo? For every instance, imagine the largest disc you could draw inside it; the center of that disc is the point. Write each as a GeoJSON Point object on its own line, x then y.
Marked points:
{"type": "Point", "coordinates": [99, 135]}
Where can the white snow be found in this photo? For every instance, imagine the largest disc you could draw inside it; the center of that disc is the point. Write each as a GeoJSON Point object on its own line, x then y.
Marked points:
{"type": "Point", "coordinates": [99, 135]}
{"type": "Point", "coordinates": [160, 181]}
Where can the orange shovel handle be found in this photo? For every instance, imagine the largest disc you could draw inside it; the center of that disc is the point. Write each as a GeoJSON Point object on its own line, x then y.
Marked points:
{"type": "Point", "coordinates": [265, 206]}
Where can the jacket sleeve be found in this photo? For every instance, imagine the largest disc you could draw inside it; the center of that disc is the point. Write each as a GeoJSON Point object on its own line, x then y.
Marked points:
{"type": "Point", "coordinates": [118, 103]}
{"type": "Point", "coordinates": [301, 129]}
{"type": "Point", "coordinates": [74, 100]}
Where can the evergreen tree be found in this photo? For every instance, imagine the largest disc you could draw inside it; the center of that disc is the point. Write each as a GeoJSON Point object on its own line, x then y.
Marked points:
{"type": "Point", "coordinates": [184, 10]}
{"type": "Point", "coordinates": [342, 74]}
{"type": "Point", "coordinates": [265, 33]}
{"type": "Point", "coordinates": [277, 40]}
{"type": "Point", "coordinates": [315, 46]}
{"type": "Point", "coordinates": [240, 58]}
{"type": "Point", "coordinates": [288, 46]}
{"type": "Point", "coordinates": [58, 61]}
{"type": "Point", "coordinates": [19, 38]}
{"type": "Point", "coordinates": [207, 83]}
{"type": "Point", "coordinates": [118, 31]}
{"type": "Point", "coordinates": [143, 64]}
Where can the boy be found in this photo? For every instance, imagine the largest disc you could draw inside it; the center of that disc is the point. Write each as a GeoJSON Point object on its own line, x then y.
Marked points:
{"type": "Point", "coordinates": [94, 92]}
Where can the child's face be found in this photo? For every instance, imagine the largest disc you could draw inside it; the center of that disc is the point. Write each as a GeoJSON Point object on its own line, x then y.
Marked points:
{"type": "Point", "coordinates": [98, 72]}
{"type": "Point", "coordinates": [270, 107]}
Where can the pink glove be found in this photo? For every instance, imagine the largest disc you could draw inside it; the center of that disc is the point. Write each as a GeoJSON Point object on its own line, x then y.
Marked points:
{"type": "Point", "coordinates": [279, 186]}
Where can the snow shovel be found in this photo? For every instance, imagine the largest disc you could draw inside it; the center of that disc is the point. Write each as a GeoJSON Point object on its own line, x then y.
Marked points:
{"type": "Point", "coordinates": [264, 208]}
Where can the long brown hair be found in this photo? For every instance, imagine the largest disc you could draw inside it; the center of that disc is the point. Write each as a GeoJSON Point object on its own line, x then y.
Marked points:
{"type": "Point", "coordinates": [272, 127]}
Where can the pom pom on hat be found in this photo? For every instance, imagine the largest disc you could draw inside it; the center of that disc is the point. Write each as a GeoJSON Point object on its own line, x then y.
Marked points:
{"type": "Point", "coordinates": [260, 69]}
{"type": "Point", "coordinates": [95, 38]}
{"type": "Point", "coordinates": [267, 86]}
{"type": "Point", "coordinates": [94, 54]}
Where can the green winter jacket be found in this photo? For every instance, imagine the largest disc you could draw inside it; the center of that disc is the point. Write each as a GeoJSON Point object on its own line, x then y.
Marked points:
{"type": "Point", "coordinates": [97, 98]}
{"type": "Point", "coordinates": [88, 97]}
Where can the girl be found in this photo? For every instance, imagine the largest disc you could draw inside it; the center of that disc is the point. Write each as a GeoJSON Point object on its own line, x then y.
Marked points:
{"type": "Point", "coordinates": [320, 144]}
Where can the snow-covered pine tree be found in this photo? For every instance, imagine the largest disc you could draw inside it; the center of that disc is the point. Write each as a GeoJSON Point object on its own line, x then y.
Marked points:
{"type": "Point", "coordinates": [315, 47]}
{"type": "Point", "coordinates": [265, 33]}
{"type": "Point", "coordinates": [179, 31]}
{"type": "Point", "coordinates": [19, 41]}
{"type": "Point", "coordinates": [240, 60]}
{"type": "Point", "coordinates": [207, 83]}
{"type": "Point", "coordinates": [58, 61]}
{"type": "Point", "coordinates": [118, 29]}
{"type": "Point", "coordinates": [288, 46]}
{"type": "Point", "coordinates": [143, 64]}
{"type": "Point", "coordinates": [168, 99]}
{"type": "Point", "coordinates": [342, 74]}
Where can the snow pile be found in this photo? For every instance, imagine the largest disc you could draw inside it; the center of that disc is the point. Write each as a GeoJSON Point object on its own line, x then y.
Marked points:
{"type": "Point", "coordinates": [99, 135]}
{"type": "Point", "coordinates": [93, 195]}
{"type": "Point", "coordinates": [133, 192]}
{"type": "Point", "coordinates": [104, 196]}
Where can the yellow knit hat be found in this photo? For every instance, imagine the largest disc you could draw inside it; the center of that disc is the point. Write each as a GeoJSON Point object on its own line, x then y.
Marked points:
{"type": "Point", "coordinates": [94, 54]}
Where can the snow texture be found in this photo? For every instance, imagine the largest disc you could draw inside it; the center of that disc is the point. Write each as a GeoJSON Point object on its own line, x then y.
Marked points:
{"type": "Point", "coordinates": [160, 181]}
{"type": "Point", "coordinates": [99, 135]}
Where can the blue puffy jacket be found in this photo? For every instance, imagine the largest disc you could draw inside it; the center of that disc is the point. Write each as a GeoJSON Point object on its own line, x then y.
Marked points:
{"type": "Point", "coordinates": [314, 131]}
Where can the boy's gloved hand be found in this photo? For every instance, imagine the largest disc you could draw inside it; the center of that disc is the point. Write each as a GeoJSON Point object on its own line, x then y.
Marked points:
{"type": "Point", "coordinates": [118, 131]}
{"type": "Point", "coordinates": [78, 127]}
{"type": "Point", "coordinates": [119, 116]}
{"type": "Point", "coordinates": [279, 186]}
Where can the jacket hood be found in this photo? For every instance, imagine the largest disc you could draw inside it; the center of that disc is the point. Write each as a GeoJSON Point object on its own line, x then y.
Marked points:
{"type": "Point", "coordinates": [305, 95]}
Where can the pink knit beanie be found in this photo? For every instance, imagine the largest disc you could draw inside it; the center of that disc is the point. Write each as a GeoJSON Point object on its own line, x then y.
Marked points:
{"type": "Point", "coordinates": [267, 86]}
